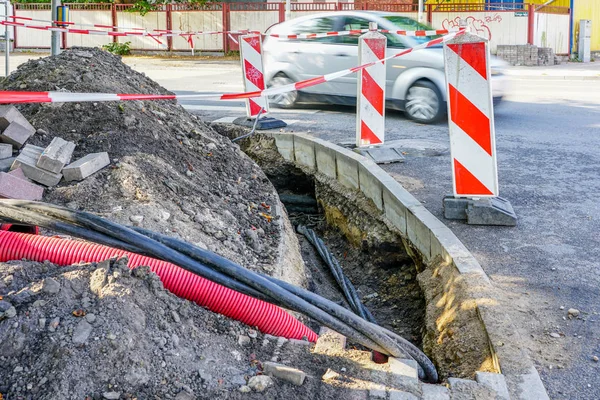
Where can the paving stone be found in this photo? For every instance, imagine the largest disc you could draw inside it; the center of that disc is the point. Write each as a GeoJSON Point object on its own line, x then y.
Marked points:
{"type": "Point", "coordinates": [6, 163]}
{"type": "Point", "coordinates": [463, 389]}
{"type": "Point", "coordinates": [85, 166]}
{"type": "Point", "coordinates": [284, 372]}
{"type": "Point", "coordinates": [329, 340]}
{"type": "Point", "coordinates": [13, 187]}
{"type": "Point", "coordinates": [403, 368]}
{"type": "Point", "coordinates": [27, 161]}
{"type": "Point", "coordinates": [56, 155]}
{"type": "Point", "coordinates": [434, 392]}
{"type": "Point", "coordinates": [399, 395]}
{"type": "Point", "coordinates": [495, 382]}
{"type": "Point", "coordinates": [6, 150]}
{"type": "Point", "coordinates": [18, 173]}
{"type": "Point", "coordinates": [10, 114]}
{"type": "Point", "coordinates": [16, 135]}
{"type": "Point", "coordinates": [377, 385]}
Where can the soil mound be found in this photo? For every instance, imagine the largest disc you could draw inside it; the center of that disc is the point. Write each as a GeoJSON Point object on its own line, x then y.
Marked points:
{"type": "Point", "coordinates": [102, 330]}
{"type": "Point", "coordinates": [170, 172]}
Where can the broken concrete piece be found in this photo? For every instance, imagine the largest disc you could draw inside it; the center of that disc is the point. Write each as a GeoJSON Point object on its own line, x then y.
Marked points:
{"type": "Point", "coordinates": [6, 163]}
{"type": "Point", "coordinates": [12, 187]}
{"type": "Point", "coordinates": [10, 114]}
{"type": "Point", "coordinates": [16, 134]}
{"type": "Point", "coordinates": [19, 174]}
{"type": "Point", "coordinates": [5, 150]}
{"type": "Point", "coordinates": [284, 372]}
{"type": "Point", "coordinates": [27, 161]}
{"type": "Point", "coordinates": [56, 155]}
{"type": "Point", "coordinates": [85, 166]}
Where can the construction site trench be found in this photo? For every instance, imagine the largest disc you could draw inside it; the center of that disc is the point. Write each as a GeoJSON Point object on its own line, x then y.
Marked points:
{"type": "Point", "coordinates": [98, 330]}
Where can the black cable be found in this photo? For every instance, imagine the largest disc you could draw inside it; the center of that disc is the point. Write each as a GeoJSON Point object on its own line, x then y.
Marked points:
{"type": "Point", "coordinates": [342, 280]}
{"type": "Point", "coordinates": [275, 291]}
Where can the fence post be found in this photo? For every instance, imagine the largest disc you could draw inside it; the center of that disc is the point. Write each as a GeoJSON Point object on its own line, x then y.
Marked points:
{"type": "Point", "coordinates": [169, 16]}
{"type": "Point", "coordinates": [531, 24]}
{"type": "Point", "coordinates": [430, 13]}
{"type": "Point", "coordinates": [472, 135]}
{"type": "Point", "coordinates": [281, 12]}
{"type": "Point", "coordinates": [226, 27]}
{"type": "Point", "coordinates": [113, 14]}
{"type": "Point", "coordinates": [370, 115]}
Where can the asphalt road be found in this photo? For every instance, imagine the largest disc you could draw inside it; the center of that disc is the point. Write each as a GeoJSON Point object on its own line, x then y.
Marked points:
{"type": "Point", "coordinates": [548, 142]}
{"type": "Point", "coordinates": [548, 145]}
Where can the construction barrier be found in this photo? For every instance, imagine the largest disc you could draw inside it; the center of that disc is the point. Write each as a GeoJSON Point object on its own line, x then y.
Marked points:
{"type": "Point", "coordinates": [471, 117]}
{"type": "Point", "coordinates": [7, 97]}
{"type": "Point", "coordinates": [370, 110]}
{"type": "Point", "coordinates": [252, 70]}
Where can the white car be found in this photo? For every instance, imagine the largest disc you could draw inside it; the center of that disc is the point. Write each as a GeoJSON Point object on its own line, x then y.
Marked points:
{"type": "Point", "coordinates": [415, 83]}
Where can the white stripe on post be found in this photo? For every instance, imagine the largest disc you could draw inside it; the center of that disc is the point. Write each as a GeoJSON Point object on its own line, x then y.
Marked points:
{"type": "Point", "coordinates": [370, 110]}
{"type": "Point", "coordinates": [471, 117]}
{"type": "Point", "coordinates": [252, 68]}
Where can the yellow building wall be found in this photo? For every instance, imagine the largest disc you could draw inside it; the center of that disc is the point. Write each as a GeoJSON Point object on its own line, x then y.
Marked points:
{"type": "Point", "coordinates": [557, 3]}
{"type": "Point", "coordinates": [587, 9]}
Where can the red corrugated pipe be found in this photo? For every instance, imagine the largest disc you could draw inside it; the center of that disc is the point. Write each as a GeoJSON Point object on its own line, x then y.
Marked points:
{"type": "Point", "coordinates": [268, 318]}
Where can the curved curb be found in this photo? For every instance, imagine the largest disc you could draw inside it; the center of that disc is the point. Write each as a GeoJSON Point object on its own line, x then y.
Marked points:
{"type": "Point", "coordinates": [431, 237]}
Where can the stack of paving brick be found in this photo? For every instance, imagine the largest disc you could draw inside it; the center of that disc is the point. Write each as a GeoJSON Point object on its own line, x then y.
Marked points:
{"type": "Point", "coordinates": [518, 54]}
{"type": "Point", "coordinates": [546, 56]}
{"type": "Point", "coordinates": [46, 166]}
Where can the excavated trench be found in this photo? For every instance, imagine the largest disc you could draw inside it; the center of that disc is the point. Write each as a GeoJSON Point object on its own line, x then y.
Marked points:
{"type": "Point", "coordinates": [424, 302]}
{"type": "Point", "coordinates": [374, 258]}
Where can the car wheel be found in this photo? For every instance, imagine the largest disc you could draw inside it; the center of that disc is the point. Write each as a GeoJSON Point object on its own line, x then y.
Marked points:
{"type": "Point", "coordinates": [424, 102]}
{"type": "Point", "coordinates": [283, 100]}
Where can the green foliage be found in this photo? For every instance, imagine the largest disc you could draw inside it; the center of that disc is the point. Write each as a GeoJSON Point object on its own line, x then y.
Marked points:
{"type": "Point", "coordinates": [143, 7]}
{"type": "Point", "coordinates": [121, 49]}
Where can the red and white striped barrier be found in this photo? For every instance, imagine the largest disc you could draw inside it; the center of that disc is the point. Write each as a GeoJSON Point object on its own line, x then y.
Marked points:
{"type": "Point", "coordinates": [370, 110]}
{"type": "Point", "coordinates": [471, 117]}
{"type": "Point", "coordinates": [252, 69]}
{"type": "Point", "coordinates": [9, 97]}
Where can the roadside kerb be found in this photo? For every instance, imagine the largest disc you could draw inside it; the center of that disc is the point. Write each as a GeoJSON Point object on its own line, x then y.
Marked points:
{"type": "Point", "coordinates": [426, 233]}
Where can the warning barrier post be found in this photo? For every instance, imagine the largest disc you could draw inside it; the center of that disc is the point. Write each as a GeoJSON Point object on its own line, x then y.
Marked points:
{"type": "Point", "coordinates": [254, 81]}
{"type": "Point", "coordinates": [472, 135]}
{"type": "Point", "coordinates": [370, 110]}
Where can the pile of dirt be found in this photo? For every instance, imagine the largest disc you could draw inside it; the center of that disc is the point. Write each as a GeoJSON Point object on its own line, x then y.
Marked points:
{"type": "Point", "coordinates": [170, 172]}
{"type": "Point", "coordinates": [101, 329]}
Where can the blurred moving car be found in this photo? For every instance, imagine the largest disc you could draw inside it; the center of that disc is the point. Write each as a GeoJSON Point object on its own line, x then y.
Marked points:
{"type": "Point", "coordinates": [415, 83]}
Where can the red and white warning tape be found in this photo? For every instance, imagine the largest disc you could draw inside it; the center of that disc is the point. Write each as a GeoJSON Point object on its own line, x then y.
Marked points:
{"type": "Point", "coordinates": [152, 34]}
{"type": "Point", "coordinates": [66, 97]}
{"type": "Point", "coordinates": [165, 32]}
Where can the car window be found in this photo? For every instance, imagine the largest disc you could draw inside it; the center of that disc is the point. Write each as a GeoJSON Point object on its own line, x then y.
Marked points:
{"type": "Point", "coordinates": [316, 25]}
{"type": "Point", "coordinates": [352, 23]}
{"type": "Point", "coordinates": [409, 24]}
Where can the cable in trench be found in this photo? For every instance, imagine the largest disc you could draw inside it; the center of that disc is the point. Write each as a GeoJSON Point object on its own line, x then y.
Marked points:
{"type": "Point", "coordinates": [220, 270]}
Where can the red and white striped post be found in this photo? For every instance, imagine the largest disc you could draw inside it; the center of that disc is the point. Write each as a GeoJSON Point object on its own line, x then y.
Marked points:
{"type": "Point", "coordinates": [472, 135]}
{"type": "Point", "coordinates": [471, 117]}
{"type": "Point", "coordinates": [370, 118]}
{"type": "Point", "coordinates": [252, 67]}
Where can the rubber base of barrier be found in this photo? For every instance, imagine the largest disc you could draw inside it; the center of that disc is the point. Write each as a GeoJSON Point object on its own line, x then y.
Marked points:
{"type": "Point", "coordinates": [381, 155]}
{"type": "Point", "coordinates": [263, 124]}
{"type": "Point", "coordinates": [486, 211]}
